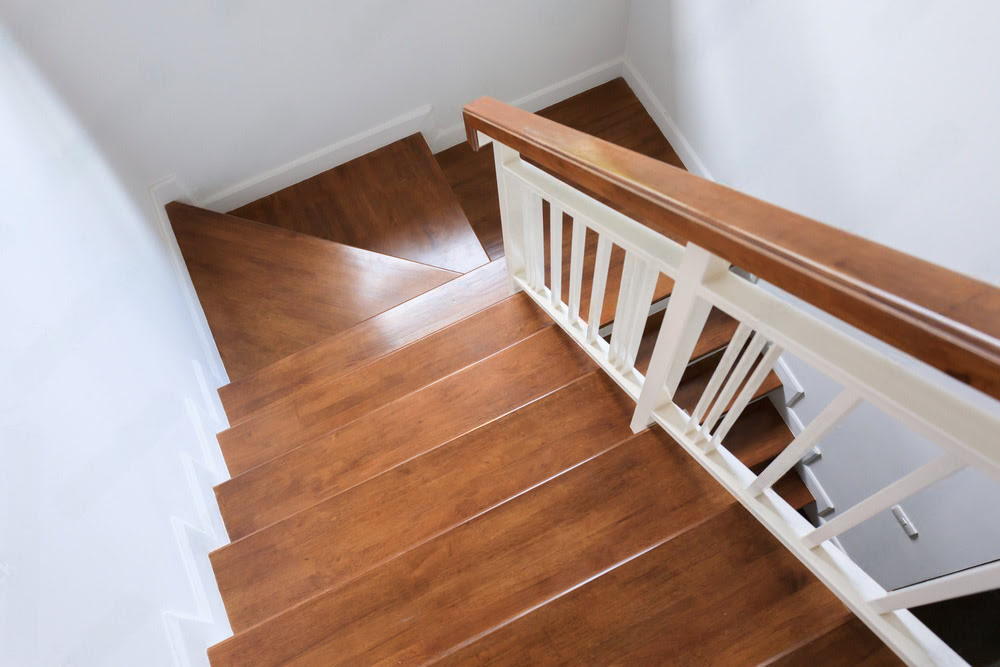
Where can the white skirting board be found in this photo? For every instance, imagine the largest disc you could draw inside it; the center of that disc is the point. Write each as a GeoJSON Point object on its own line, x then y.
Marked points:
{"type": "Point", "coordinates": [667, 126]}
{"type": "Point", "coordinates": [191, 632]}
{"type": "Point", "coordinates": [539, 99]}
{"type": "Point", "coordinates": [162, 193]}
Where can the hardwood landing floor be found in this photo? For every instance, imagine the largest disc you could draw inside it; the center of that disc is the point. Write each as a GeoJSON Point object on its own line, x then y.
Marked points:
{"type": "Point", "coordinates": [269, 292]}
{"type": "Point", "coordinates": [394, 201]}
{"type": "Point", "coordinates": [610, 111]}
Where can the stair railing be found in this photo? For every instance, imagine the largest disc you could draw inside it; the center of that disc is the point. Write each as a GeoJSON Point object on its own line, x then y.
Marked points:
{"type": "Point", "coordinates": [645, 208]}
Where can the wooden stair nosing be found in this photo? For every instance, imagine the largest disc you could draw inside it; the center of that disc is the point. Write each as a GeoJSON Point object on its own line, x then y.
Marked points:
{"type": "Point", "coordinates": [321, 408]}
{"type": "Point", "coordinates": [343, 536]}
{"type": "Point", "coordinates": [400, 430]}
{"type": "Point", "coordinates": [373, 338]}
{"type": "Point", "coordinates": [541, 544]}
{"type": "Point", "coordinates": [721, 591]}
{"type": "Point", "coordinates": [844, 641]}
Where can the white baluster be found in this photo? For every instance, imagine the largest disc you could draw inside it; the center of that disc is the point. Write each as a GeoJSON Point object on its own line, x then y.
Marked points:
{"type": "Point", "coordinates": [642, 296]}
{"type": "Point", "coordinates": [576, 269]}
{"type": "Point", "coordinates": [683, 323]}
{"type": "Point", "coordinates": [734, 381]}
{"type": "Point", "coordinates": [600, 281]}
{"type": "Point", "coordinates": [746, 394]}
{"type": "Point", "coordinates": [620, 325]}
{"type": "Point", "coordinates": [729, 357]}
{"type": "Point", "coordinates": [838, 408]}
{"type": "Point", "coordinates": [555, 254]}
{"type": "Point", "coordinates": [898, 491]}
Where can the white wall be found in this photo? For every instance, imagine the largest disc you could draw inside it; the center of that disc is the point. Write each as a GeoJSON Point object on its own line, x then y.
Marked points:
{"type": "Point", "coordinates": [876, 116]}
{"type": "Point", "coordinates": [221, 92]}
{"type": "Point", "coordinates": [105, 427]}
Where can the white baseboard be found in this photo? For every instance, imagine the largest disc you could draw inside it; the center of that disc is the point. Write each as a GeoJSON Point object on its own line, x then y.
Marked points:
{"type": "Point", "coordinates": [316, 162]}
{"type": "Point", "coordinates": [663, 120]}
{"type": "Point", "coordinates": [191, 633]}
{"type": "Point", "coordinates": [539, 99]}
{"type": "Point", "coordinates": [162, 193]}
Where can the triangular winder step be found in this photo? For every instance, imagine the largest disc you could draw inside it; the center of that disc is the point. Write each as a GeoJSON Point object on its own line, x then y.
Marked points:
{"type": "Point", "coordinates": [269, 292]}
{"type": "Point", "coordinates": [394, 201]}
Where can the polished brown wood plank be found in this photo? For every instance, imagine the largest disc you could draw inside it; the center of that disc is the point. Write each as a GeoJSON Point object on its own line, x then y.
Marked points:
{"type": "Point", "coordinates": [394, 200]}
{"type": "Point", "coordinates": [758, 435]}
{"type": "Point", "coordinates": [939, 316]}
{"type": "Point", "coordinates": [269, 292]}
{"type": "Point", "coordinates": [321, 408]}
{"type": "Point", "coordinates": [366, 341]}
{"type": "Point", "coordinates": [697, 375]}
{"type": "Point", "coordinates": [336, 540]}
{"type": "Point", "coordinates": [610, 111]}
{"type": "Point", "coordinates": [722, 592]}
{"type": "Point", "coordinates": [488, 570]}
{"type": "Point", "coordinates": [400, 430]}
{"type": "Point", "coordinates": [848, 644]}
{"type": "Point", "coordinates": [718, 331]}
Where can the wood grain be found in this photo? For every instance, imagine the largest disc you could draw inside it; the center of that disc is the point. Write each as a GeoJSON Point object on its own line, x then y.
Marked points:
{"type": "Point", "coordinates": [610, 111]}
{"type": "Point", "coordinates": [941, 317]}
{"type": "Point", "coordinates": [394, 200]}
{"type": "Point", "coordinates": [373, 338]}
{"type": "Point", "coordinates": [320, 408]}
{"type": "Point", "coordinates": [269, 292]}
{"type": "Point", "coordinates": [847, 644]}
{"type": "Point", "coordinates": [488, 570]}
{"type": "Point", "coordinates": [722, 592]}
{"type": "Point", "coordinates": [336, 540]}
{"type": "Point", "coordinates": [399, 431]}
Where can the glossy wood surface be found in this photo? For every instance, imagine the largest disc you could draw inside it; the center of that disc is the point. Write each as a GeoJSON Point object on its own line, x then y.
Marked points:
{"type": "Point", "coordinates": [336, 540]}
{"type": "Point", "coordinates": [394, 200]}
{"type": "Point", "coordinates": [944, 318]}
{"type": "Point", "coordinates": [268, 292]}
{"type": "Point", "coordinates": [610, 111]}
{"type": "Point", "coordinates": [718, 331]}
{"type": "Point", "coordinates": [722, 592]}
{"type": "Point", "coordinates": [369, 340]}
{"type": "Point", "coordinates": [848, 644]}
{"type": "Point", "coordinates": [399, 431]}
{"type": "Point", "coordinates": [503, 563]}
{"type": "Point", "coordinates": [321, 408]}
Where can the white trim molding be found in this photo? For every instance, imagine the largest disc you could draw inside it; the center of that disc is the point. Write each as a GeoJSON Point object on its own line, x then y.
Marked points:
{"type": "Point", "coordinates": [663, 120]}
{"type": "Point", "coordinates": [316, 162]}
{"type": "Point", "coordinates": [539, 99]}
{"type": "Point", "coordinates": [162, 193]}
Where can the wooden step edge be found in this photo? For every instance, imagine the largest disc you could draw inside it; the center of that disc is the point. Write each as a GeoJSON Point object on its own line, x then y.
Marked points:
{"type": "Point", "coordinates": [404, 397]}
{"type": "Point", "coordinates": [519, 305]}
{"type": "Point", "coordinates": [220, 489]}
{"type": "Point", "coordinates": [695, 525]}
{"type": "Point", "coordinates": [243, 397]}
{"type": "Point", "coordinates": [728, 506]}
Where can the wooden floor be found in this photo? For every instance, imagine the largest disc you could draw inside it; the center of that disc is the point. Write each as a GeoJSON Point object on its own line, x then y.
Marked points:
{"type": "Point", "coordinates": [610, 111]}
{"type": "Point", "coordinates": [269, 292]}
{"type": "Point", "coordinates": [394, 201]}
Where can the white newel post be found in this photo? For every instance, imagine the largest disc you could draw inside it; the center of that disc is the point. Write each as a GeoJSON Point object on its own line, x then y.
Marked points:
{"type": "Point", "coordinates": [510, 213]}
{"type": "Point", "coordinates": [682, 325]}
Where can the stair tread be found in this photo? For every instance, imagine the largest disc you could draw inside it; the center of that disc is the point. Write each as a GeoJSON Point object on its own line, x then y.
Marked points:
{"type": "Point", "coordinates": [697, 375]}
{"type": "Point", "coordinates": [723, 592]}
{"type": "Point", "coordinates": [373, 338]}
{"type": "Point", "coordinates": [400, 430]}
{"type": "Point", "coordinates": [495, 566]}
{"type": "Point", "coordinates": [269, 292]}
{"type": "Point", "coordinates": [341, 537]}
{"type": "Point", "coordinates": [394, 200]}
{"type": "Point", "coordinates": [758, 435]}
{"type": "Point", "coordinates": [718, 331]}
{"type": "Point", "coordinates": [848, 643]}
{"type": "Point", "coordinates": [320, 408]}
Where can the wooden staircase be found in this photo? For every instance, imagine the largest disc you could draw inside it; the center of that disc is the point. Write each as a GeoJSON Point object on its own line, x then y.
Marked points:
{"type": "Point", "coordinates": [449, 478]}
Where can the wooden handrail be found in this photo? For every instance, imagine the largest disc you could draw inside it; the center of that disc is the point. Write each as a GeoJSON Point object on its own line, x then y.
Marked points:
{"type": "Point", "coordinates": [944, 318]}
